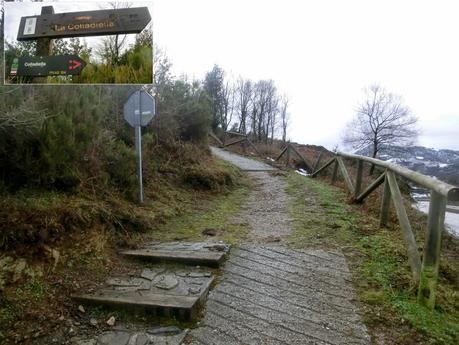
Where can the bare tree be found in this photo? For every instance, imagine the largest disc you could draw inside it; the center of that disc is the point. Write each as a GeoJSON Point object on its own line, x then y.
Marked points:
{"type": "Point", "coordinates": [284, 116]}
{"type": "Point", "coordinates": [227, 106]}
{"type": "Point", "coordinates": [111, 46]}
{"type": "Point", "coordinates": [381, 119]}
{"type": "Point", "coordinates": [24, 116]}
{"type": "Point", "coordinates": [243, 99]}
{"type": "Point", "coordinates": [262, 108]}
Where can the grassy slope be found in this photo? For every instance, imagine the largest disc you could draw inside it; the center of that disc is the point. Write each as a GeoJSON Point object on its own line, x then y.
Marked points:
{"type": "Point", "coordinates": [378, 262]}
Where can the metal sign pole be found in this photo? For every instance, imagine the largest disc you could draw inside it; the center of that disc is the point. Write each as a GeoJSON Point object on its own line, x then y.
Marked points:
{"type": "Point", "coordinates": [138, 111]}
{"type": "Point", "coordinates": [138, 147]}
{"type": "Point", "coordinates": [138, 144]}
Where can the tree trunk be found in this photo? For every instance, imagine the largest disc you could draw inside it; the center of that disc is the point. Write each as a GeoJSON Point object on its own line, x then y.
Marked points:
{"type": "Point", "coordinates": [375, 152]}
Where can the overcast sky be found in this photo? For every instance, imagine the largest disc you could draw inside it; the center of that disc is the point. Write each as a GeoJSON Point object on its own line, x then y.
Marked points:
{"type": "Point", "coordinates": [322, 54]}
{"type": "Point", "coordinates": [15, 10]}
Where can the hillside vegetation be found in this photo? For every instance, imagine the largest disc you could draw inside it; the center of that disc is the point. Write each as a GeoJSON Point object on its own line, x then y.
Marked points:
{"type": "Point", "coordinates": [68, 190]}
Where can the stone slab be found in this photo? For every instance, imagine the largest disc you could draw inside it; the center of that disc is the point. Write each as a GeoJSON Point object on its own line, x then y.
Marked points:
{"type": "Point", "coordinates": [200, 253]}
{"type": "Point", "coordinates": [163, 292]}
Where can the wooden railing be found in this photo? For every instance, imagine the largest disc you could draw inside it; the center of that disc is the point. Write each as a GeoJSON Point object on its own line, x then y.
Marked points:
{"type": "Point", "coordinates": [228, 140]}
{"type": "Point", "coordinates": [287, 150]}
{"type": "Point", "coordinates": [425, 271]}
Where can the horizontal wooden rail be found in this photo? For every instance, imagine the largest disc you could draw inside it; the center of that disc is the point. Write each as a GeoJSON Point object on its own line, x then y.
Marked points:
{"type": "Point", "coordinates": [443, 188]}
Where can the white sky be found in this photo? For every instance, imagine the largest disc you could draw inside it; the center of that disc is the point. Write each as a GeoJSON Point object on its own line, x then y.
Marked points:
{"type": "Point", "coordinates": [322, 53]}
{"type": "Point", "coordinates": [15, 10]}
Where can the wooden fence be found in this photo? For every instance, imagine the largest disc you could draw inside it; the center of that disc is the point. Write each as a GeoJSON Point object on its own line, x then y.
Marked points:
{"type": "Point", "coordinates": [425, 271]}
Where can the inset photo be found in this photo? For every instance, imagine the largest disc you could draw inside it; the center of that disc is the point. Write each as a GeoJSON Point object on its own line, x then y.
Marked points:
{"type": "Point", "coordinates": [78, 42]}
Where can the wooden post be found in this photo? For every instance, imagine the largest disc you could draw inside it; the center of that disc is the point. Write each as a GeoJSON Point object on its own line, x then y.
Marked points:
{"type": "Point", "coordinates": [317, 163]}
{"type": "Point", "coordinates": [282, 153]}
{"type": "Point", "coordinates": [288, 155]}
{"type": "Point", "coordinates": [335, 171]}
{"type": "Point", "coordinates": [358, 179]}
{"type": "Point", "coordinates": [325, 166]}
{"type": "Point", "coordinates": [300, 156]}
{"type": "Point", "coordinates": [385, 204]}
{"type": "Point", "coordinates": [375, 184]}
{"type": "Point", "coordinates": [431, 257]}
{"type": "Point", "coordinates": [253, 146]}
{"type": "Point", "coordinates": [345, 175]}
{"type": "Point", "coordinates": [412, 250]}
{"type": "Point", "coordinates": [44, 46]}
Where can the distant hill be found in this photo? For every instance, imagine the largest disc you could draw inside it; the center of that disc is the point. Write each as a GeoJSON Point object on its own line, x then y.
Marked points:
{"type": "Point", "coordinates": [442, 164]}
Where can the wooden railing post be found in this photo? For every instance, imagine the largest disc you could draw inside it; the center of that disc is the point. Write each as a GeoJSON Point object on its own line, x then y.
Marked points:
{"type": "Point", "coordinates": [375, 184]}
{"type": "Point", "coordinates": [412, 250]}
{"type": "Point", "coordinates": [358, 179]}
{"type": "Point", "coordinates": [335, 171]}
{"type": "Point", "coordinates": [385, 204]}
{"type": "Point", "coordinates": [288, 155]}
{"type": "Point", "coordinates": [345, 174]}
{"type": "Point", "coordinates": [318, 160]}
{"type": "Point", "coordinates": [325, 166]}
{"type": "Point", "coordinates": [431, 257]}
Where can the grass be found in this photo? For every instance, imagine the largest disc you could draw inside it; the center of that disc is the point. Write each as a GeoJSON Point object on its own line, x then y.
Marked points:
{"type": "Point", "coordinates": [377, 259]}
{"type": "Point", "coordinates": [211, 214]}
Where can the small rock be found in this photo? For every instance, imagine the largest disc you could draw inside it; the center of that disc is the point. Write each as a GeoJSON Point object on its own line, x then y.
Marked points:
{"type": "Point", "coordinates": [148, 274]}
{"type": "Point", "coordinates": [81, 308]}
{"type": "Point", "coordinates": [209, 232]}
{"type": "Point", "coordinates": [61, 318]}
{"type": "Point", "coordinates": [166, 281]}
{"type": "Point", "coordinates": [111, 321]}
{"type": "Point", "coordinates": [93, 322]}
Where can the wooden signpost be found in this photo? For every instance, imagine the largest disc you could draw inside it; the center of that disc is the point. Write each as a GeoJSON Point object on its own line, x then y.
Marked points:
{"type": "Point", "coordinates": [49, 25]}
{"type": "Point", "coordinates": [87, 23]}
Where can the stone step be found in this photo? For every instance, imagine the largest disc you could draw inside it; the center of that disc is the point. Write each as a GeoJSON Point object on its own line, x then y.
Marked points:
{"type": "Point", "coordinates": [201, 253]}
{"type": "Point", "coordinates": [161, 291]}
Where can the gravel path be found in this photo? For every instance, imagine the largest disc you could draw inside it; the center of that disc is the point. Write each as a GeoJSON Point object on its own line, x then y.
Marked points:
{"type": "Point", "coordinates": [265, 211]}
{"type": "Point", "coordinates": [243, 163]}
{"type": "Point", "coordinates": [269, 294]}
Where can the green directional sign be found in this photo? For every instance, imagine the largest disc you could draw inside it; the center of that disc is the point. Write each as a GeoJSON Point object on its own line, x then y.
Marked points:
{"type": "Point", "coordinates": [86, 23]}
{"type": "Point", "coordinates": [47, 65]}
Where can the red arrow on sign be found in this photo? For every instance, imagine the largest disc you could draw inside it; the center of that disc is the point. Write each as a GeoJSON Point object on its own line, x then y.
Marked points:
{"type": "Point", "coordinates": [74, 64]}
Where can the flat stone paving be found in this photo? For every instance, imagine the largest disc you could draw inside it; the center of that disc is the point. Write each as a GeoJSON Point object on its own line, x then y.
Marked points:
{"type": "Point", "coordinates": [200, 253]}
{"type": "Point", "coordinates": [174, 293]}
{"type": "Point", "coordinates": [159, 336]}
{"type": "Point", "coordinates": [281, 296]}
{"type": "Point", "coordinates": [241, 162]}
